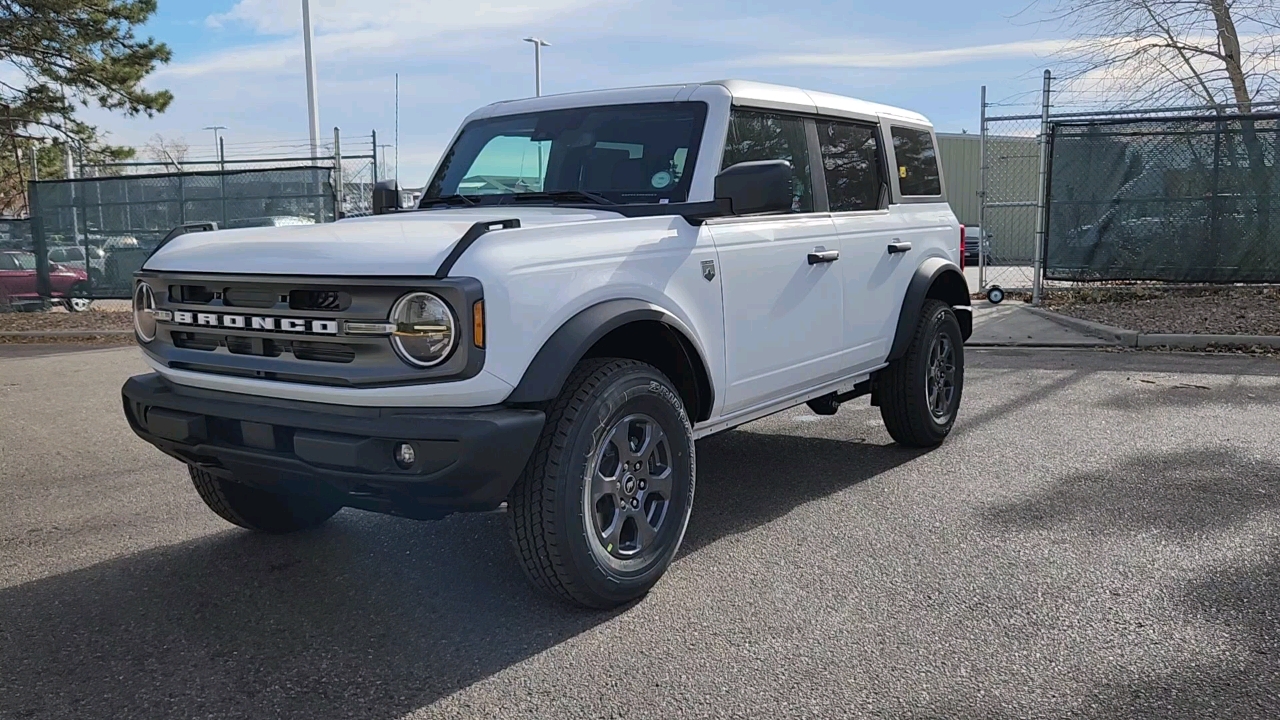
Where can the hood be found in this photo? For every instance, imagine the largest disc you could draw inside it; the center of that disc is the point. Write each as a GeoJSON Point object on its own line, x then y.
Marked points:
{"type": "Point", "coordinates": [399, 244]}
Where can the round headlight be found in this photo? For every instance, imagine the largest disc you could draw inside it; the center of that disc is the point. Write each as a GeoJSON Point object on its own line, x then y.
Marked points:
{"type": "Point", "coordinates": [144, 319]}
{"type": "Point", "coordinates": [425, 331]}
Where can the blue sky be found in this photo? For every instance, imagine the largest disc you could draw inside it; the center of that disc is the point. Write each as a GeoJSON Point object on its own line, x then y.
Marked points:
{"type": "Point", "coordinates": [239, 62]}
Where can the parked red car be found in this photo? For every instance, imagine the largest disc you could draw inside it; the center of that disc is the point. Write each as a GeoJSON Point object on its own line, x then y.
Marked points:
{"type": "Point", "coordinates": [18, 282]}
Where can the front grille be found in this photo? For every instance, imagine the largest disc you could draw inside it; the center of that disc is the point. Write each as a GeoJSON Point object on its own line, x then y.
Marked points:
{"type": "Point", "coordinates": [294, 329]}
{"type": "Point", "coordinates": [323, 352]}
{"type": "Point", "coordinates": [192, 294]}
{"type": "Point", "coordinates": [196, 341]}
{"type": "Point", "coordinates": [253, 346]}
{"type": "Point", "coordinates": [251, 297]}
{"type": "Point", "coordinates": [331, 300]}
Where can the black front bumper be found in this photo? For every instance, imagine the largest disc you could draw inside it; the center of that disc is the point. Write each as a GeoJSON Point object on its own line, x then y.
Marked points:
{"type": "Point", "coordinates": [465, 459]}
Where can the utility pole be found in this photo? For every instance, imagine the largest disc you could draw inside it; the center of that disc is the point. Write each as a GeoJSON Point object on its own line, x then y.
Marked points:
{"type": "Point", "coordinates": [217, 144]}
{"type": "Point", "coordinates": [313, 109]}
{"type": "Point", "coordinates": [538, 44]}
{"type": "Point", "coordinates": [397, 138]}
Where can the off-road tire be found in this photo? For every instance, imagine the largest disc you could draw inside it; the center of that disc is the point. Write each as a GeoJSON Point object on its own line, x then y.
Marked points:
{"type": "Point", "coordinates": [549, 523]}
{"type": "Point", "coordinates": [259, 510]}
{"type": "Point", "coordinates": [902, 389]}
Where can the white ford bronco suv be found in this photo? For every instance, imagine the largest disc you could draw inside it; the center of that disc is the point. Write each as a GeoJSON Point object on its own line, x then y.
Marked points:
{"type": "Point", "coordinates": [590, 283]}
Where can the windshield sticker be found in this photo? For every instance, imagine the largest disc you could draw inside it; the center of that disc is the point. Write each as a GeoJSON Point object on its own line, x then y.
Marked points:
{"type": "Point", "coordinates": [660, 179]}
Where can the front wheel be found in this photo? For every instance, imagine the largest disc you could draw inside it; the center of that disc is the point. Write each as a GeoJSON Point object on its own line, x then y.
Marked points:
{"type": "Point", "coordinates": [919, 393]}
{"type": "Point", "coordinates": [602, 507]}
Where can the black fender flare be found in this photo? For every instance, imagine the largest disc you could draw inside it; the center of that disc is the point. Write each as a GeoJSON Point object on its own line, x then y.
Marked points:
{"type": "Point", "coordinates": [550, 367]}
{"type": "Point", "coordinates": [952, 289]}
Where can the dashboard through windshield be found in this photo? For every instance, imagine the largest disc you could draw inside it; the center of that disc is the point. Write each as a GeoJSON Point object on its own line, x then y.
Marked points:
{"type": "Point", "coordinates": [616, 154]}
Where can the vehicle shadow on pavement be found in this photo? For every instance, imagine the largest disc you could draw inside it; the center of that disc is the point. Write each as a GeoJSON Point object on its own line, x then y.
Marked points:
{"type": "Point", "coordinates": [747, 479]}
{"type": "Point", "coordinates": [369, 616]}
{"type": "Point", "coordinates": [1198, 506]}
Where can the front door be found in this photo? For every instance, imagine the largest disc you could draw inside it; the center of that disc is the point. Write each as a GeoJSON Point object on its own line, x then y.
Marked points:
{"type": "Point", "coordinates": [784, 313]}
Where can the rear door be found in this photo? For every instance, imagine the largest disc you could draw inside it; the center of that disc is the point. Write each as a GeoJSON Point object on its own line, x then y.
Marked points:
{"type": "Point", "coordinates": [853, 163]}
{"type": "Point", "coordinates": [783, 315]}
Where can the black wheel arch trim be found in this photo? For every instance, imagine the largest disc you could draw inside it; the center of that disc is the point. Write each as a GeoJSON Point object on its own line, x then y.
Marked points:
{"type": "Point", "coordinates": [953, 290]}
{"type": "Point", "coordinates": [570, 343]}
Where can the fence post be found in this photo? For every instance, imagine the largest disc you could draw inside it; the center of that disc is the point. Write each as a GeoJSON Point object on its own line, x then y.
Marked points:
{"type": "Point", "coordinates": [222, 177]}
{"type": "Point", "coordinates": [39, 244]}
{"type": "Point", "coordinates": [982, 193]}
{"type": "Point", "coordinates": [1042, 199]}
{"type": "Point", "coordinates": [337, 174]}
{"type": "Point", "coordinates": [374, 135]}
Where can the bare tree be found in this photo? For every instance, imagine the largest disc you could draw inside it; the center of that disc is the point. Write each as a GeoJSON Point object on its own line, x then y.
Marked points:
{"type": "Point", "coordinates": [1222, 53]}
{"type": "Point", "coordinates": [172, 151]}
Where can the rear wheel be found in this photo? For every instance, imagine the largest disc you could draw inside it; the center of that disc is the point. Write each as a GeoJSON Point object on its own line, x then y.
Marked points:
{"type": "Point", "coordinates": [260, 510]}
{"type": "Point", "coordinates": [919, 393]}
{"type": "Point", "coordinates": [602, 506]}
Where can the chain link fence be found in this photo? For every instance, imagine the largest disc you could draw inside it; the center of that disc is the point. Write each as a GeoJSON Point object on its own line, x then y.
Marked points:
{"type": "Point", "coordinates": [1173, 195]}
{"type": "Point", "coordinates": [90, 235]}
{"type": "Point", "coordinates": [1010, 201]}
{"type": "Point", "coordinates": [1177, 200]}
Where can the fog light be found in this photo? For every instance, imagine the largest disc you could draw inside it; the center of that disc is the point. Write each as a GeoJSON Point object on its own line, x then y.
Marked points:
{"type": "Point", "coordinates": [405, 455]}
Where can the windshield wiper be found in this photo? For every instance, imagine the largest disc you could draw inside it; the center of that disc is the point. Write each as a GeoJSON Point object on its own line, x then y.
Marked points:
{"type": "Point", "coordinates": [449, 200]}
{"type": "Point", "coordinates": [564, 195]}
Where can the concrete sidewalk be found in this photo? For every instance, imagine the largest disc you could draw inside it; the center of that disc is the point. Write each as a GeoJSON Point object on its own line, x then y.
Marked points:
{"type": "Point", "coordinates": [1013, 324]}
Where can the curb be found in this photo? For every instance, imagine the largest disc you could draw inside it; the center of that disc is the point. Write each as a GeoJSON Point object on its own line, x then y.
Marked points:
{"type": "Point", "coordinates": [1202, 342]}
{"type": "Point", "coordinates": [64, 333]}
{"type": "Point", "coordinates": [1133, 339]}
{"type": "Point", "coordinates": [1113, 335]}
{"type": "Point", "coordinates": [1037, 345]}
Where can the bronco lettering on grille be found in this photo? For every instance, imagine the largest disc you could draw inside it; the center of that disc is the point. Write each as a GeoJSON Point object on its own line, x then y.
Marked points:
{"type": "Point", "coordinates": [251, 322]}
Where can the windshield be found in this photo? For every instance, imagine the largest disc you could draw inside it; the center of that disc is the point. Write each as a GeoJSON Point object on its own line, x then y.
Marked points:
{"type": "Point", "coordinates": [26, 261]}
{"type": "Point", "coordinates": [623, 154]}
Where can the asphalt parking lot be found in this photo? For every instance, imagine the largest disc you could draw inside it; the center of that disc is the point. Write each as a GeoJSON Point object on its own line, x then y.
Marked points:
{"type": "Point", "coordinates": [1099, 538]}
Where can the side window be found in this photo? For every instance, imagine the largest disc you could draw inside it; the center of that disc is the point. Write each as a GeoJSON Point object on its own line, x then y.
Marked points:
{"type": "Point", "coordinates": [765, 136]}
{"type": "Point", "coordinates": [917, 162]}
{"type": "Point", "coordinates": [851, 163]}
{"type": "Point", "coordinates": [8, 262]}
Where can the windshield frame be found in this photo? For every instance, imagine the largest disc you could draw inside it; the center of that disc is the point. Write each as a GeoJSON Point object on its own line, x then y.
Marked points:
{"type": "Point", "coordinates": [433, 192]}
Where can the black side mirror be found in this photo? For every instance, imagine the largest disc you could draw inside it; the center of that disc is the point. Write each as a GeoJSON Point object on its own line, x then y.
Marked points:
{"type": "Point", "coordinates": [758, 186]}
{"type": "Point", "coordinates": [386, 197]}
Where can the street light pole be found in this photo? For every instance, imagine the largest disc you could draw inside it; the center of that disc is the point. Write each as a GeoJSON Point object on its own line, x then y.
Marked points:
{"type": "Point", "coordinates": [217, 144]}
{"type": "Point", "coordinates": [538, 44]}
{"type": "Point", "coordinates": [313, 111]}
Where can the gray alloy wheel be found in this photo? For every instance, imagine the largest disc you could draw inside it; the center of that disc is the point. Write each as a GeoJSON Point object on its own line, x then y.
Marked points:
{"type": "Point", "coordinates": [629, 492]}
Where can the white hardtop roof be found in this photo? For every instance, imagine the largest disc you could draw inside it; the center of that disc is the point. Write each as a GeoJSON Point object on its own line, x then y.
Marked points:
{"type": "Point", "coordinates": [742, 92]}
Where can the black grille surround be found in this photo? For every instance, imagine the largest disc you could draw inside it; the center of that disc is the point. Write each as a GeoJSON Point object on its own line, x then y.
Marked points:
{"type": "Point", "coordinates": [322, 358]}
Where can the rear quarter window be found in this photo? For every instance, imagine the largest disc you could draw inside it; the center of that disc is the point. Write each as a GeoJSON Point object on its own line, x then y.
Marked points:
{"type": "Point", "coordinates": [917, 162]}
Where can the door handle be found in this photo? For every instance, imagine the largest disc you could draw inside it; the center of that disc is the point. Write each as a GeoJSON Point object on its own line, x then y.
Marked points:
{"type": "Point", "coordinates": [899, 247]}
{"type": "Point", "coordinates": [820, 255]}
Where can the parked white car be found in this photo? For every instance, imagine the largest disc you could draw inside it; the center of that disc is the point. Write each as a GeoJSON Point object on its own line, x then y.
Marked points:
{"type": "Point", "coordinates": [590, 283]}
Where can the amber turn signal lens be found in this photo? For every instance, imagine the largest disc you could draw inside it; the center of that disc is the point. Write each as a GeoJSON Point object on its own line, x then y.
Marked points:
{"type": "Point", "coordinates": [477, 317]}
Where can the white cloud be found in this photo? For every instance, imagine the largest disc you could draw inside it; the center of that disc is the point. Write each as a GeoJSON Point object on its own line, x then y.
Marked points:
{"type": "Point", "coordinates": [916, 59]}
